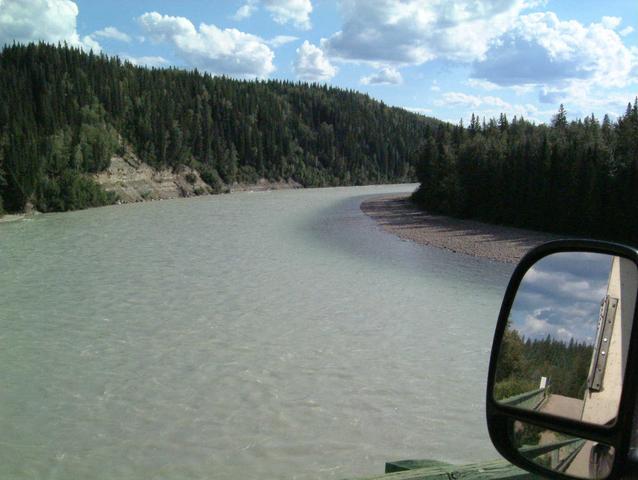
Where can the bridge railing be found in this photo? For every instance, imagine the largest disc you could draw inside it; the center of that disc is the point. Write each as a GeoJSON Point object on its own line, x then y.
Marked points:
{"type": "Point", "coordinates": [531, 400]}
{"type": "Point", "coordinates": [562, 455]}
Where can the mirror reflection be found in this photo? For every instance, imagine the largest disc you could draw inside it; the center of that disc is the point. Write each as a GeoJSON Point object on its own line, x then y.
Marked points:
{"type": "Point", "coordinates": [563, 453]}
{"type": "Point", "coordinates": [565, 346]}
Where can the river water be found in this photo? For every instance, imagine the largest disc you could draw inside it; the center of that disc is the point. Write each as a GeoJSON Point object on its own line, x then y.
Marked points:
{"type": "Point", "coordinates": [252, 335]}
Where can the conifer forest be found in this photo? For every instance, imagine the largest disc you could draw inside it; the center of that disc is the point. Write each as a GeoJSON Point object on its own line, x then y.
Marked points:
{"type": "Point", "coordinates": [65, 112]}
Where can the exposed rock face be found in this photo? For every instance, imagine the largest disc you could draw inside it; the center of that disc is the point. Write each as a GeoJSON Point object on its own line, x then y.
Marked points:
{"type": "Point", "coordinates": [135, 181]}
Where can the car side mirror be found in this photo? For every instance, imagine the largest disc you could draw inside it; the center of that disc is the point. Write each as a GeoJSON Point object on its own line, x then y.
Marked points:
{"type": "Point", "coordinates": [562, 380]}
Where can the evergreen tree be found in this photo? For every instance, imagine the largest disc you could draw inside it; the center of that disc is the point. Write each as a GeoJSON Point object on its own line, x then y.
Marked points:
{"type": "Point", "coordinates": [578, 178]}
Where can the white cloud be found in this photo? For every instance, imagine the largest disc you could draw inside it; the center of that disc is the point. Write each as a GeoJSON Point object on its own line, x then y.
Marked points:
{"type": "Point", "coordinates": [419, 110]}
{"type": "Point", "coordinates": [113, 33]}
{"type": "Point", "coordinates": [579, 103]}
{"type": "Point", "coordinates": [536, 327]}
{"type": "Point", "coordinates": [561, 297]}
{"type": "Point", "coordinates": [415, 31]}
{"type": "Point", "coordinates": [473, 101]}
{"type": "Point", "coordinates": [610, 22]}
{"type": "Point", "coordinates": [89, 43]}
{"type": "Point", "coordinates": [312, 65]}
{"type": "Point", "coordinates": [51, 21]}
{"type": "Point", "coordinates": [385, 76]}
{"type": "Point", "coordinates": [570, 286]}
{"type": "Point", "coordinates": [280, 40]}
{"type": "Point", "coordinates": [580, 100]}
{"type": "Point", "coordinates": [148, 61]}
{"type": "Point", "coordinates": [626, 31]}
{"type": "Point", "coordinates": [563, 321]}
{"type": "Point", "coordinates": [490, 106]}
{"type": "Point", "coordinates": [227, 51]}
{"type": "Point", "coordinates": [522, 89]}
{"type": "Point", "coordinates": [245, 11]}
{"type": "Point", "coordinates": [543, 50]}
{"type": "Point", "coordinates": [296, 12]}
{"type": "Point", "coordinates": [483, 84]}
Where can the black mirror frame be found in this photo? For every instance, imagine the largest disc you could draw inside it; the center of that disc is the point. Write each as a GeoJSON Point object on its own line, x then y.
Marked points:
{"type": "Point", "coordinates": [500, 417]}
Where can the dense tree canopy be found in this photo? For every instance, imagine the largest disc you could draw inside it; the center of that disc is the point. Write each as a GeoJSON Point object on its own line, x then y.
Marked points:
{"type": "Point", "coordinates": [64, 112]}
{"type": "Point", "coordinates": [522, 362]}
{"type": "Point", "coordinates": [571, 178]}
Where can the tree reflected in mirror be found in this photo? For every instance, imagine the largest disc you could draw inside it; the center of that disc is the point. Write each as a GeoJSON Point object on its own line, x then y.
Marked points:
{"type": "Point", "coordinates": [564, 349]}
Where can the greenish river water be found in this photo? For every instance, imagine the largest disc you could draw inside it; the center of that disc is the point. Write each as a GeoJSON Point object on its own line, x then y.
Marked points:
{"type": "Point", "coordinates": [253, 335]}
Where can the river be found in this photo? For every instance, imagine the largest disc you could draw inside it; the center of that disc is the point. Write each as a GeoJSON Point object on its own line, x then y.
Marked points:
{"type": "Point", "coordinates": [251, 335]}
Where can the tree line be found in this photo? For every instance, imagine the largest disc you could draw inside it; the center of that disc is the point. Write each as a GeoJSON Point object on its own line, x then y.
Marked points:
{"type": "Point", "coordinates": [578, 177]}
{"type": "Point", "coordinates": [522, 362]}
{"type": "Point", "coordinates": [65, 112]}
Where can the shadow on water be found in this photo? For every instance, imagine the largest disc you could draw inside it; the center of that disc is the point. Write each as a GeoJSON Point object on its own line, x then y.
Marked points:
{"type": "Point", "coordinates": [345, 226]}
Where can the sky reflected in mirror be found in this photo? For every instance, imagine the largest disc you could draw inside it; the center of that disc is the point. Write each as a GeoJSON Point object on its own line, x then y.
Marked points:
{"type": "Point", "coordinates": [560, 296]}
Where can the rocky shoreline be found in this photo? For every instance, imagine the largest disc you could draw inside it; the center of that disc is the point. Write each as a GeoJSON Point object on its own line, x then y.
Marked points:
{"type": "Point", "coordinates": [397, 215]}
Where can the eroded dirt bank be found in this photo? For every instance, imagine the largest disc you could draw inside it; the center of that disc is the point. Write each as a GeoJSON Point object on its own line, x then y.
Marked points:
{"type": "Point", "coordinates": [135, 181]}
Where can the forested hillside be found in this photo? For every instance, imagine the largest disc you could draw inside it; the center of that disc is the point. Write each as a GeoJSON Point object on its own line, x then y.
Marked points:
{"type": "Point", "coordinates": [578, 177]}
{"type": "Point", "coordinates": [64, 113]}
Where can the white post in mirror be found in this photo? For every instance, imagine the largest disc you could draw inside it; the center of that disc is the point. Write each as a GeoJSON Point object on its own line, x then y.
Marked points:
{"type": "Point", "coordinates": [601, 406]}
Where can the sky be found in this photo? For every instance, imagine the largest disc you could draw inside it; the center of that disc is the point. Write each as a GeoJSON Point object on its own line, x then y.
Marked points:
{"type": "Point", "coordinates": [441, 58]}
{"type": "Point", "coordinates": [560, 296]}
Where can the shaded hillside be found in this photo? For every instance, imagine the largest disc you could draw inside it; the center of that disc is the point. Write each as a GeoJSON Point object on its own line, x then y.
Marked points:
{"type": "Point", "coordinates": [64, 113]}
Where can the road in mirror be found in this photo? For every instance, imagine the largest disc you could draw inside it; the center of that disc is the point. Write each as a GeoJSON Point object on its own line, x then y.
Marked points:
{"type": "Point", "coordinates": [563, 453]}
{"type": "Point", "coordinates": [565, 346]}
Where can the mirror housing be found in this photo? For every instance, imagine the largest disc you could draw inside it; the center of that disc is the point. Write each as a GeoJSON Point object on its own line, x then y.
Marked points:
{"type": "Point", "coordinates": [607, 442]}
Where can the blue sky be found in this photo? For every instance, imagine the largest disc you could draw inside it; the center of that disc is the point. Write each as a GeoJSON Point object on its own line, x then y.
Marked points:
{"type": "Point", "coordinates": [560, 296]}
{"type": "Point", "coordinates": [441, 58]}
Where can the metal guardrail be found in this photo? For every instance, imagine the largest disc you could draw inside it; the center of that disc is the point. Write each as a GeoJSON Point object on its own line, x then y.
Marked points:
{"type": "Point", "coordinates": [531, 400]}
{"type": "Point", "coordinates": [565, 463]}
{"type": "Point", "coordinates": [571, 448]}
{"type": "Point", "coordinates": [531, 451]}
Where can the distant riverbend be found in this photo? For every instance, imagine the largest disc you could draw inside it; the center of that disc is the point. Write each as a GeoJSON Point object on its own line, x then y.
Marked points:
{"type": "Point", "coordinates": [397, 215]}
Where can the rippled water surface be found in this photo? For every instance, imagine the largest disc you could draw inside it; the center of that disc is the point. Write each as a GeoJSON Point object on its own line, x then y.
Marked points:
{"type": "Point", "coordinates": [253, 335]}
